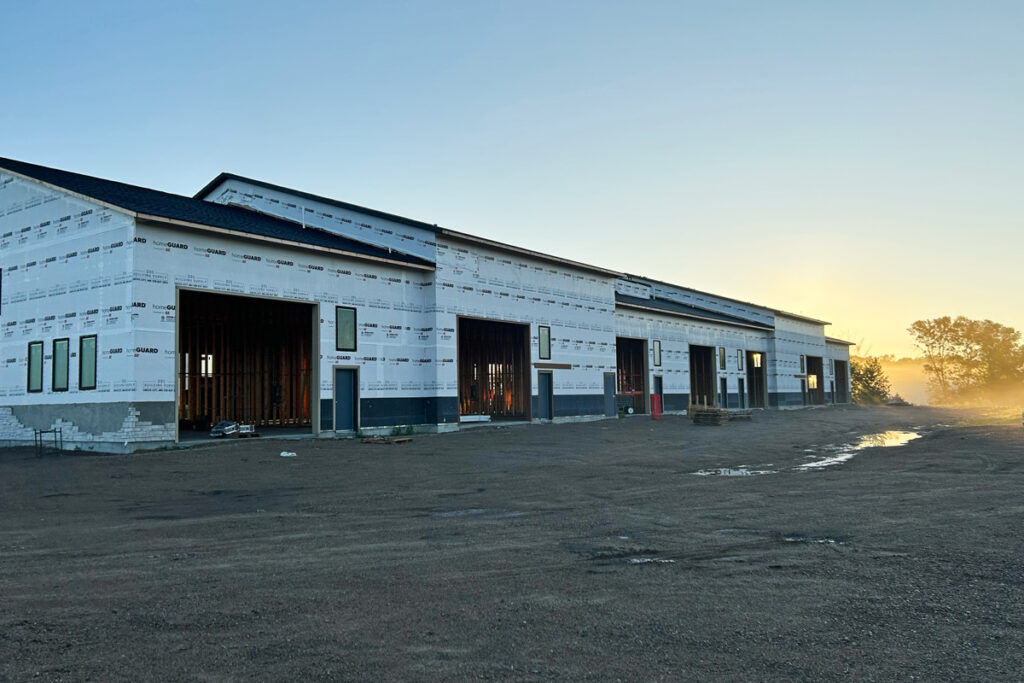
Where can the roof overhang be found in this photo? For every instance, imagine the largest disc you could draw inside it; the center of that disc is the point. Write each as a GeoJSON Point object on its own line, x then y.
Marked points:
{"type": "Point", "coordinates": [691, 316]}
{"type": "Point", "coordinates": [540, 256]}
{"type": "Point", "coordinates": [278, 241]}
{"type": "Point", "coordinates": [70, 193]}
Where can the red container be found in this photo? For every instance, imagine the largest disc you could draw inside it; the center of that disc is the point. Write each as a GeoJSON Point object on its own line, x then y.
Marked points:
{"type": "Point", "coordinates": [655, 407]}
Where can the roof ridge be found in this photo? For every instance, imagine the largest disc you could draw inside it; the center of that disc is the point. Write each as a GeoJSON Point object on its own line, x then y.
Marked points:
{"type": "Point", "coordinates": [159, 204]}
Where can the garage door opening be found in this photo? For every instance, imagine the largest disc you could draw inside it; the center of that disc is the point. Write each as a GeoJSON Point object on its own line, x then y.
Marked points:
{"type": "Point", "coordinates": [756, 385]}
{"type": "Point", "coordinates": [842, 382]}
{"type": "Point", "coordinates": [631, 367]}
{"type": "Point", "coordinates": [702, 375]}
{"type": "Point", "coordinates": [815, 381]}
{"type": "Point", "coordinates": [494, 370]}
{"type": "Point", "coordinates": [246, 360]}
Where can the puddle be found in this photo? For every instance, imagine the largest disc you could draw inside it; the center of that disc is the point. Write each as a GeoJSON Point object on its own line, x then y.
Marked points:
{"type": "Point", "coordinates": [732, 472]}
{"type": "Point", "coordinates": [467, 512]}
{"type": "Point", "coordinates": [649, 560]}
{"type": "Point", "coordinates": [847, 451]}
{"type": "Point", "coordinates": [804, 539]}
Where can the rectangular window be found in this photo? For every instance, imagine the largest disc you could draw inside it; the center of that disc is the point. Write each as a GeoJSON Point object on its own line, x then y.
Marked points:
{"type": "Point", "coordinates": [739, 360]}
{"type": "Point", "coordinates": [544, 341]}
{"type": "Point", "coordinates": [721, 358]}
{"type": "Point", "coordinates": [345, 326]}
{"type": "Point", "coordinates": [831, 366]}
{"type": "Point", "coordinates": [206, 365]}
{"type": "Point", "coordinates": [60, 365]}
{"type": "Point", "coordinates": [87, 363]}
{"type": "Point", "coordinates": [35, 367]}
{"type": "Point", "coordinates": [657, 353]}
{"type": "Point", "coordinates": [803, 365]}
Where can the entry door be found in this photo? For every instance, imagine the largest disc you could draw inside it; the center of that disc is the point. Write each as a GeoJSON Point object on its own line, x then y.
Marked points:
{"type": "Point", "coordinates": [742, 393]}
{"type": "Point", "coordinates": [657, 388]}
{"type": "Point", "coordinates": [609, 394]}
{"type": "Point", "coordinates": [545, 396]}
{"type": "Point", "coordinates": [346, 399]}
{"type": "Point", "coordinates": [723, 397]}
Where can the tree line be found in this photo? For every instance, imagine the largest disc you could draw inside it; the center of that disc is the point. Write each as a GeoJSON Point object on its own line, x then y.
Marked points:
{"type": "Point", "coordinates": [970, 361]}
{"type": "Point", "coordinates": [965, 361]}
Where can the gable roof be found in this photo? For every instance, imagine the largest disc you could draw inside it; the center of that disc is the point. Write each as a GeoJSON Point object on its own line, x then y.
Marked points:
{"type": "Point", "coordinates": [775, 311]}
{"type": "Point", "coordinates": [213, 184]}
{"type": "Point", "coordinates": [659, 305]}
{"type": "Point", "coordinates": [151, 204]}
{"type": "Point", "coordinates": [402, 220]}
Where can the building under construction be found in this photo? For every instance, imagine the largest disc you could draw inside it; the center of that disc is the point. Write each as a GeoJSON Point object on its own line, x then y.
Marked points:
{"type": "Point", "coordinates": [133, 318]}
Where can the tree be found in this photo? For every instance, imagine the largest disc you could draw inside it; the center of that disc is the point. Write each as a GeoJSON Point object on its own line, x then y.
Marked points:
{"type": "Point", "coordinates": [868, 382]}
{"type": "Point", "coordinates": [938, 338]}
{"type": "Point", "coordinates": [969, 360]}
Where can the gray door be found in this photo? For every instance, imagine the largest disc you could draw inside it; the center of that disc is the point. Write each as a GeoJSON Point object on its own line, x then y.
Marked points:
{"type": "Point", "coordinates": [609, 394]}
{"type": "Point", "coordinates": [346, 396]}
{"type": "Point", "coordinates": [742, 392]}
{"type": "Point", "coordinates": [545, 396]}
{"type": "Point", "coordinates": [723, 394]}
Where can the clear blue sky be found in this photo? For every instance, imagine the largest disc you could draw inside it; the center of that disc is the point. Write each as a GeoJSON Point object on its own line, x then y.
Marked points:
{"type": "Point", "coordinates": [859, 161]}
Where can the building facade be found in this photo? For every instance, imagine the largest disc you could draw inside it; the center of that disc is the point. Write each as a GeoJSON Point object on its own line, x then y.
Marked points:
{"type": "Point", "coordinates": [132, 318]}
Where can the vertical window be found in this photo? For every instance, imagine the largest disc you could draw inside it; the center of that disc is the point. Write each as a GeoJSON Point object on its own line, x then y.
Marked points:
{"type": "Point", "coordinates": [657, 353]}
{"type": "Point", "coordinates": [831, 366]}
{"type": "Point", "coordinates": [803, 364]}
{"type": "Point", "coordinates": [35, 367]}
{"type": "Point", "coordinates": [87, 363]}
{"type": "Point", "coordinates": [739, 359]}
{"type": "Point", "coordinates": [544, 341]}
{"type": "Point", "coordinates": [206, 365]}
{"type": "Point", "coordinates": [345, 327]}
{"type": "Point", "coordinates": [60, 365]}
{"type": "Point", "coordinates": [721, 358]}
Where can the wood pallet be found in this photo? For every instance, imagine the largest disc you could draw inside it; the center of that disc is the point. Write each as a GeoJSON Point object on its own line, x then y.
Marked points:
{"type": "Point", "coordinates": [709, 415]}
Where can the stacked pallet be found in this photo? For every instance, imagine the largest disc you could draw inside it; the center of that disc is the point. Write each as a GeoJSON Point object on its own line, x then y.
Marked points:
{"type": "Point", "coordinates": [709, 415]}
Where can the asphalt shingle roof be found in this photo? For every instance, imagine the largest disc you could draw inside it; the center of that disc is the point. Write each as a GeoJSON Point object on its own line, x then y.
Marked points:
{"type": "Point", "coordinates": [144, 200]}
{"type": "Point", "coordinates": [676, 308]}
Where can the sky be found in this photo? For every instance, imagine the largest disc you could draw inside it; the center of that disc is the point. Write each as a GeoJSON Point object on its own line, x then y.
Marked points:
{"type": "Point", "coordinates": [859, 162]}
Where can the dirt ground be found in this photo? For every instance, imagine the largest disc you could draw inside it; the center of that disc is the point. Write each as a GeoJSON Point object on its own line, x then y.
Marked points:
{"type": "Point", "coordinates": [531, 552]}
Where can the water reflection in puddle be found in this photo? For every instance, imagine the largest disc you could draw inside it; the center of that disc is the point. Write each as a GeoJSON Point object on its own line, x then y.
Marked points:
{"type": "Point", "coordinates": [844, 452]}
{"type": "Point", "coordinates": [732, 472]}
{"type": "Point", "coordinates": [803, 539]}
{"type": "Point", "coordinates": [649, 560]}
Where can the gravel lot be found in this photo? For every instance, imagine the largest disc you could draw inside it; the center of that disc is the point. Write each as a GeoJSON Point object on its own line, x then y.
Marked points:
{"type": "Point", "coordinates": [529, 552]}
